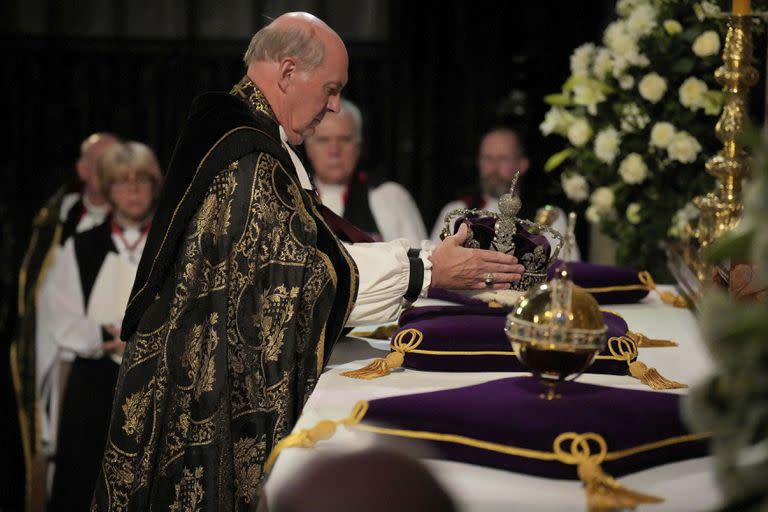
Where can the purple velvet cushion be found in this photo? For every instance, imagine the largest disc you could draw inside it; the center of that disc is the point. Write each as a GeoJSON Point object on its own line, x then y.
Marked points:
{"type": "Point", "coordinates": [483, 231]}
{"type": "Point", "coordinates": [471, 339]}
{"type": "Point", "coordinates": [608, 284]}
{"type": "Point", "coordinates": [510, 412]}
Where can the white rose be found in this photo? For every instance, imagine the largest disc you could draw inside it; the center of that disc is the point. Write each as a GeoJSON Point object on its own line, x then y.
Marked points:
{"type": "Point", "coordinates": [593, 214]}
{"type": "Point", "coordinates": [588, 95]}
{"type": "Point", "coordinates": [633, 169]}
{"type": "Point", "coordinates": [652, 87]}
{"type": "Point", "coordinates": [575, 187]}
{"type": "Point", "coordinates": [556, 120]}
{"type": "Point", "coordinates": [579, 132]}
{"type": "Point", "coordinates": [626, 82]}
{"type": "Point", "coordinates": [607, 144]}
{"type": "Point", "coordinates": [662, 134]}
{"type": "Point", "coordinates": [602, 198]}
{"type": "Point", "coordinates": [705, 10]}
{"type": "Point", "coordinates": [618, 38]}
{"type": "Point", "coordinates": [633, 118]}
{"type": "Point", "coordinates": [633, 213]}
{"type": "Point", "coordinates": [642, 21]}
{"type": "Point", "coordinates": [581, 59]}
{"type": "Point", "coordinates": [692, 92]}
{"type": "Point", "coordinates": [672, 27]}
{"type": "Point", "coordinates": [639, 60]}
{"type": "Point", "coordinates": [684, 148]}
{"type": "Point", "coordinates": [602, 64]}
{"type": "Point", "coordinates": [620, 65]}
{"type": "Point", "coordinates": [708, 43]}
{"type": "Point", "coordinates": [625, 7]}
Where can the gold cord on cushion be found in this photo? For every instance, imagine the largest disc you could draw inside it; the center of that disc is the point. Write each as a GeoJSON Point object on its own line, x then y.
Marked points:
{"type": "Point", "coordinates": [640, 339]}
{"type": "Point", "coordinates": [646, 283]}
{"type": "Point", "coordinates": [384, 366]}
{"type": "Point", "coordinates": [667, 297]}
{"type": "Point", "coordinates": [625, 348]}
{"type": "Point", "coordinates": [643, 341]}
{"type": "Point", "coordinates": [309, 437]}
{"type": "Point", "coordinates": [602, 491]}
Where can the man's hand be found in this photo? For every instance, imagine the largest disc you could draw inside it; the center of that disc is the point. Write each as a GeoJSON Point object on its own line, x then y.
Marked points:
{"type": "Point", "coordinates": [115, 345]}
{"type": "Point", "coordinates": [457, 267]}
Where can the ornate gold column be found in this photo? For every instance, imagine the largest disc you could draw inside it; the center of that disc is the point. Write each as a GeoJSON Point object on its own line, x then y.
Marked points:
{"type": "Point", "coordinates": [721, 208]}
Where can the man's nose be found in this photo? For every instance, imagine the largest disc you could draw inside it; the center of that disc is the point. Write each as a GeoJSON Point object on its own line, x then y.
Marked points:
{"type": "Point", "coordinates": [334, 102]}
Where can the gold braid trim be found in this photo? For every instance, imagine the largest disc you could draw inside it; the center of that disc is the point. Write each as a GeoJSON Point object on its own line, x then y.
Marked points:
{"type": "Point", "coordinates": [625, 348]}
{"type": "Point", "coordinates": [666, 297]}
{"type": "Point", "coordinates": [646, 283]}
{"type": "Point", "coordinates": [308, 437]}
{"type": "Point", "coordinates": [28, 450]}
{"type": "Point", "coordinates": [603, 492]}
{"type": "Point", "coordinates": [384, 366]}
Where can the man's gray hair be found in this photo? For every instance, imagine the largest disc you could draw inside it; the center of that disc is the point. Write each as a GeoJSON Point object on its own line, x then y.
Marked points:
{"type": "Point", "coordinates": [273, 44]}
{"type": "Point", "coordinates": [349, 108]}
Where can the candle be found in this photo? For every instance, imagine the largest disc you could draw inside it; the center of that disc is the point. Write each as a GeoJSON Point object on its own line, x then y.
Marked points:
{"type": "Point", "coordinates": [742, 6]}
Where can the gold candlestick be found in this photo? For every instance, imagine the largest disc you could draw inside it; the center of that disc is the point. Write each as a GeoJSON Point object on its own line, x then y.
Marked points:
{"type": "Point", "coordinates": [721, 208]}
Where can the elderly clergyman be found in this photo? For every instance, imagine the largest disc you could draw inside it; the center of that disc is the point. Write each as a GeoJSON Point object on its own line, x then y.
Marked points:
{"type": "Point", "coordinates": [243, 288]}
{"type": "Point", "coordinates": [383, 209]}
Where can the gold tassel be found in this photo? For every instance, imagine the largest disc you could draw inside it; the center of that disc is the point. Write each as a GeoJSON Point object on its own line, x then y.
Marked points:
{"type": "Point", "coordinates": [383, 332]}
{"type": "Point", "coordinates": [652, 378]}
{"type": "Point", "coordinates": [383, 366]}
{"type": "Point", "coordinates": [378, 367]}
{"type": "Point", "coordinates": [641, 340]}
{"type": "Point", "coordinates": [622, 347]}
{"type": "Point", "coordinates": [309, 437]}
{"type": "Point", "coordinates": [666, 296]}
{"type": "Point", "coordinates": [603, 492]}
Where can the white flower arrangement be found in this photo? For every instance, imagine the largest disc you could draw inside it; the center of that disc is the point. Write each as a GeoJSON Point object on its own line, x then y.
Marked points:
{"type": "Point", "coordinates": [638, 114]}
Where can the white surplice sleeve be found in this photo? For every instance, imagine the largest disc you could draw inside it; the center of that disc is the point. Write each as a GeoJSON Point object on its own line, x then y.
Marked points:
{"type": "Point", "coordinates": [396, 213]}
{"type": "Point", "coordinates": [385, 275]}
{"type": "Point", "coordinates": [61, 308]}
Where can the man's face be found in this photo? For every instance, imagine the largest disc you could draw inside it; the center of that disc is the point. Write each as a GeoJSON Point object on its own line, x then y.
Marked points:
{"type": "Point", "coordinates": [498, 161]}
{"type": "Point", "coordinates": [86, 165]}
{"type": "Point", "coordinates": [334, 148]}
{"type": "Point", "coordinates": [310, 94]}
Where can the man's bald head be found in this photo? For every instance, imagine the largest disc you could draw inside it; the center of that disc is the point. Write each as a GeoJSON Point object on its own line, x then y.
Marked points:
{"type": "Point", "coordinates": [297, 34]}
{"type": "Point", "coordinates": [300, 64]}
{"type": "Point", "coordinates": [91, 150]}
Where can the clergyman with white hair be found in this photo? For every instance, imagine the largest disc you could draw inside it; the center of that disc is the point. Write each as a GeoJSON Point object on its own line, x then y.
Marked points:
{"type": "Point", "coordinates": [383, 209]}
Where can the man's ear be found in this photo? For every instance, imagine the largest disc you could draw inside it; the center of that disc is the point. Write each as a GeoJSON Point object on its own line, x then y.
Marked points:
{"type": "Point", "coordinates": [287, 69]}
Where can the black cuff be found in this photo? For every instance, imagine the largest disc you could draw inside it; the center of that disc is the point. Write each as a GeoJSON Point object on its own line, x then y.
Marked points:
{"type": "Point", "coordinates": [414, 253]}
{"type": "Point", "coordinates": [415, 279]}
{"type": "Point", "coordinates": [105, 336]}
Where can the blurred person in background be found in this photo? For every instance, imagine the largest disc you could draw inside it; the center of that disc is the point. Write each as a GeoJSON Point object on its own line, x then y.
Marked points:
{"type": "Point", "coordinates": [384, 210]}
{"type": "Point", "coordinates": [81, 307]}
